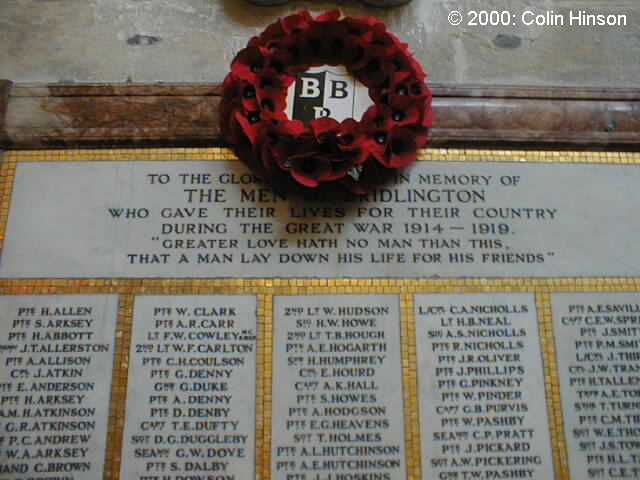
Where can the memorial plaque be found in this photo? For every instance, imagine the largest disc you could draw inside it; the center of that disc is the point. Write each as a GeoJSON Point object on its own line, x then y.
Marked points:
{"type": "Point", "coordinates": [186, 236]}
{"type": "Point", "coordinates": [598, 338]}
{"type": "Point", "coordinates": [337, 388]}
{"type": "Point", "coordinates": [56, 354]}
{"type": "Point", "coordinates": [191, 395]}
{"type": "Point", "coordinates": [212, 218]}
{"type": "Point", "coordinates": [481, 387]}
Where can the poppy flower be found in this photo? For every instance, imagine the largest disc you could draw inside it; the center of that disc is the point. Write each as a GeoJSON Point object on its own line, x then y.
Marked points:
{"type": "Point", "coordinates": [377, 119]}
{"type": "Point", "coordinates": [421, 135]}
{"type": "Point", "coordinates": [382, 42]}
{"type": "Point", "coordinates": [405, 111]}
{"type": "Point", "coordinates": [351, 139]}
{"type": "Point", "coordinates": [322, 127]}
{"type": "Point", "coordinates": [364, 179]}
{"type": "Point", "coordinates": [401, 148]}
{"type": "Point", "coordinates": [248, 63]}
{"type": "Point", "coordinates": [372, 74]}
{"type": "Point", "coordinates": [277, 140]}
{"type": "Point", "coordinates": [309, 170]}
{"type": "Point", "coordinates": [312, 166]}
{"type": "Point", "coordinates": [297, 22]}
{"type": "Point", "coordinates": [361, 25]}
{"type": "Point", "coordinates": [228, 121]}
{"type": "Point", "coordinates": [329, 17]}
{"type": "Point", "coordinates": [355, 53]}
{"type": "Point", "coordinates": [391, 142]}
{"type": "Point", "coordinates": [271, 91]}
{"type": "Point", "coordinates": [241, 93]}
{"type": "Point", "coordinates": [323, 153]}
{"type": "Point", "coordinates": [284, 58]}
{"type": "Point", "coordinates": [272, 33]}
{"type": "Point", "coordinates": [402, 61]}
{"type": "Point", "coordinates": [249, 123]}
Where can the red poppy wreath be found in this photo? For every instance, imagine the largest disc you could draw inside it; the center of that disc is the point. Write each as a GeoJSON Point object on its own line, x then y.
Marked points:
{"type": "Point", "coordinates": [356, 155]}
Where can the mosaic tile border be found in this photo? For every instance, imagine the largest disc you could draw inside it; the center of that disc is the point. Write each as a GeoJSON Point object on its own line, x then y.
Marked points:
{"type": "Point", "coordinates": [11, 158]}
{"type": "Point", "coordinates": [265, 289]}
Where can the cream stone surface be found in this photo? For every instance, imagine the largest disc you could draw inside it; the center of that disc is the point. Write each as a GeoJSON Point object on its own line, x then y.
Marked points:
{"type": "Point", "coordinates": [481, 387]}
{"type": "Point", "coordinates": [598, 335]}
{"type": "Point", "coordinates": [213, 219]}
{"type": "Point", "coordinates": [195, 40]}
{"type": "Point", "coordinates": [337, 387]}
{"type": "Point", "coordinates": [191, 394]}
{"type": "Point", "coordinates": [57, 353]}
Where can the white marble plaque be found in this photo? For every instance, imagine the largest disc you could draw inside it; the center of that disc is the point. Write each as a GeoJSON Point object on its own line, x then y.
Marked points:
{"type": "Point", "coordinates": [481, 389]}
{"type": "Point", "coordinates": [191, 395]}
{"type": "Point", "coordinates": [598, 353]}
{"type": "Point", "coordinates": [211, 219]}
{"type": "Point", "coordinates": [337, 388]}
{"type": "Point", "coordinates": [56, 356]}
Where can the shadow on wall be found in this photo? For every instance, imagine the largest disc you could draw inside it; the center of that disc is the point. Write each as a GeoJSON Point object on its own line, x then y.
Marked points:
{"type": "Point", "coordinates": [259, 9]}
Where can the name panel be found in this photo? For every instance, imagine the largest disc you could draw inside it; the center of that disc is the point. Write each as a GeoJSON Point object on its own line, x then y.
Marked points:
{"type": "Point", "coordinates": [191, 394]}
{"type": "Point", "coordinates": [481, 387]}
{"type": "Point", "coordinates": [337, 388]}
{"type": "Point", "coordinates": [55, 384]}
{"type": "Point", "coordinates": [213, 218]}
{"type": "Point", "coordinates": [599, 372]}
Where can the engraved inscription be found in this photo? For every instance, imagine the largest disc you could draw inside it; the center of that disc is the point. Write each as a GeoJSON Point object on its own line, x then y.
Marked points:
{"type": "Point", "coordinates": [598, 339]}
{"type": "Point", "coordinates": [191, 396]}
{"type": "Point", "coordinates": [337, 389]}
{"type": "Point", "coordinates": [56, 354]}
{"type": "Point", "coordinates": [203, 219]}
{"type": "Point", "coordinates": [481, 387]}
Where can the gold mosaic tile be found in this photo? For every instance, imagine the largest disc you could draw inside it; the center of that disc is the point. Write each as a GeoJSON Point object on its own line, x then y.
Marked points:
{"type": "Point", "coordinates": [265, 289]}
{"type": "Point", "coordinates": [119, 388]}
{"type": "Point", "coordinates": [552, 387]}
{"type": "Point", "coordinates": [127, 289]}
